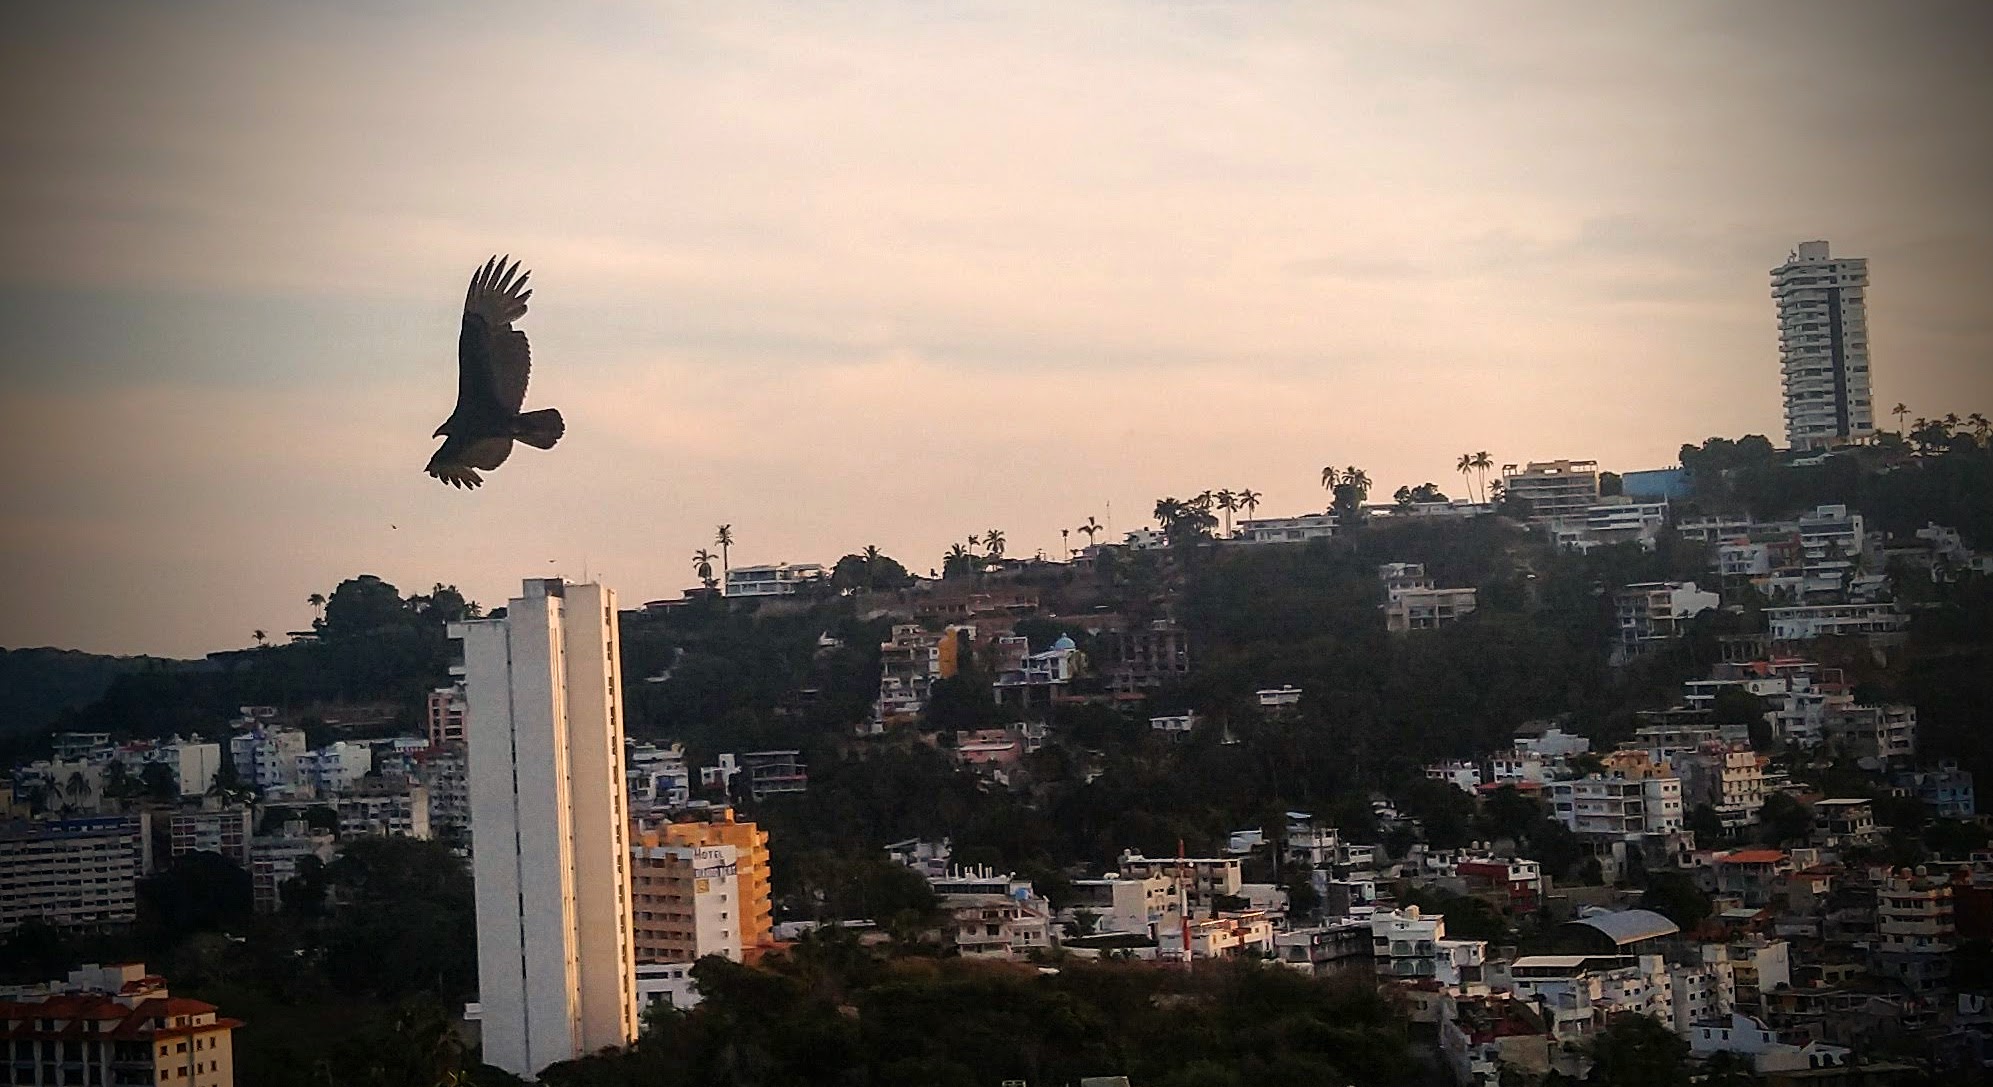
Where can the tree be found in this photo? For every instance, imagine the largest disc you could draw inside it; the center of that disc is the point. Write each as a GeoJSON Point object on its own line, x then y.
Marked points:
{"type": "Point", "coordinates": [958, 562]}
{"type": "Point", "coordinates": [1248, 500]}
{"type": "Point", "coordinates": [77, 789]}
{"type": "Point", "coordinates": [1465, 466]}
{"type": "Point", "coordinates": [870, 569]}
{"type": "Point", "coordinates": [1707, 825]}
{"type": "Point", "coordinates": [1510, 814]}
{"type": "Point", "coordinates": [1483, 464]}
{"type": "Point", "coordinates": [1783, 819]}
{"type": "Point", "coordinates": [1091, 529]}
{"type": "Point", "coordinates": [724, 537]}
{"type": "Point", "coordinates": [158, 781]}
{"type": "Point", "coordinates": [1227, 501]}
{"type": "Point", "coordinates": [198, 892]}
{"type": "Point", "coordinates": [260, 635]}
{"type": "Point", "coordinates": [1635, 1050]}
{"type": "Point", "coordinates": [317, 602]}
{"type": "Point", "coordinates": [1675, 896]}
{"type": "Point", "coordinates": [702, 566]}
{"type": "Point", "coordinates": [1899, 411]}
{"type": "Point", "coordinates": [993, 542]}
{"type": "Point", "coordinates": [1351, 488]}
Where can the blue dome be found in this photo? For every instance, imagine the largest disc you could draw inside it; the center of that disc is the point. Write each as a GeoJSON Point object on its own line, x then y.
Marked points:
{"type": "Point", "coordinates": [1064, 642]}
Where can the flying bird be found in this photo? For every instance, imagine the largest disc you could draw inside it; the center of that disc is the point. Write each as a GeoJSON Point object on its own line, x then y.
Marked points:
{"type": "Point", "coordinates": [492, 366]}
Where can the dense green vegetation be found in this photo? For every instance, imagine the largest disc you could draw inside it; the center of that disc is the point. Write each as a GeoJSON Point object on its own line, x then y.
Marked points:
{"type": "Point", "coordinates": [38, 685]}
{"type": "Point", "coordinates": [830, 1012]}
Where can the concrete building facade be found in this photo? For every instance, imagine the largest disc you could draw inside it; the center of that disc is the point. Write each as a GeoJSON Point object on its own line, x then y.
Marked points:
{"type": "Point", "coordinates": [556, 958]}
{"type": "Point", "coordinates": [1823, 346]}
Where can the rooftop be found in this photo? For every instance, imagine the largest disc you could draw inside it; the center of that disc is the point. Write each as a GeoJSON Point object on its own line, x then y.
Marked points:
{"type": "Point", "coordinates": [1629, 926]}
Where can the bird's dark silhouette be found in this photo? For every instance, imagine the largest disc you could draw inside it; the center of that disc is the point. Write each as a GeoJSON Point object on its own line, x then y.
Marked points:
{"type": "Point", "coordinates": [493, 363]}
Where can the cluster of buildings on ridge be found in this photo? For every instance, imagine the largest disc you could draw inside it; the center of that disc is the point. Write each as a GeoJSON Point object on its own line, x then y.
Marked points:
{"type": "Point", "coordinates": [1807, 959]}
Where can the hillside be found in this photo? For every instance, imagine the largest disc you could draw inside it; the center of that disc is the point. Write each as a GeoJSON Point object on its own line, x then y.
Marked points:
{"type": "Point", "coordinates": [37, 685]}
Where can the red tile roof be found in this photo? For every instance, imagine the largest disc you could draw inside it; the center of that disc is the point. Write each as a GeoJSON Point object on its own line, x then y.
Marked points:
{"type": "Point", "coordinates": [1752, 856]}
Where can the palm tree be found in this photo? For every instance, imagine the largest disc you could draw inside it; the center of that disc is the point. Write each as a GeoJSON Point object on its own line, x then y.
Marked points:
{"type": "Point", "coordinates": [1066, 541]}
{"type": "Point", "coordinates": [959, 559]}
{"type": "Point", "coordinates": [1227, 501]}
{"type": "Point", "coordinates": [1331, 479]}
{"type": "Point", "coordinates": [1356, 479]}
{"type": "Point", "coordinates": [117, 779]}
{"type": "Point", "coordinates": [993, 540]}
{"type": "Point", "coordinates": [725, 538]}
{"type": "Point", "coordinates": [78, 787]}
{"type": "Point", "coordinates": [1465, 466]}
{"type": "Point", "coordinates": [260, 637]}
{"type": "Point", "coordinates": [702, 565]}
{"type": "Point", "coordinates": [1167, 512]}
{"type": "Point", "coordinates": [1091, 529]}
{"type": "Point", "coordinates": [1483, 463]}
{"type": "Point", "coordinates": [1980, 425]}
{"type": "Point", "coordinates": [1900, 410]}
{"type": "Point", "coordinates": [1248, 500]}
{"type": "Point", "coordinates": [871, 555]}
{"type": "Point", "coordinates": [317, 602]}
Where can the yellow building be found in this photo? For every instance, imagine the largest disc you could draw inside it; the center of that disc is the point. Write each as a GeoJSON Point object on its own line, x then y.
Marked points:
{"type": "Point", "coordinates": [757, 914]}
{"type": "Point", "coordinates": [116, 1024]}
{"type": "Point", "coordinates": [685, 901]}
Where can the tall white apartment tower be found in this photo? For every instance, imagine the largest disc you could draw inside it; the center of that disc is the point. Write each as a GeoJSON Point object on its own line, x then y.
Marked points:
{"type": "Point", "coordinates": [1823, 346]}
{"type": "Point", "coordinates": [556, 950]}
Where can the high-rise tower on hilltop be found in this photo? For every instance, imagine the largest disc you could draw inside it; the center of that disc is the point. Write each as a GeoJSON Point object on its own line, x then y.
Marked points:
{"type": "Point", "coordinates": [1823, 347]}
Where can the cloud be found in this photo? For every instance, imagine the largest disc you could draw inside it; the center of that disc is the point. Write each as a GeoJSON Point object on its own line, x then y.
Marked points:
{"type": "Point", "coordinates": [887, 273]}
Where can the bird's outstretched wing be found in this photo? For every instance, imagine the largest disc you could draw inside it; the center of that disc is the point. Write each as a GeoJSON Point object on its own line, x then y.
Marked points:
{"type": "Point", "coordinates": [493, 360]}
{"type": "Point", "coordinates": [448, 465]}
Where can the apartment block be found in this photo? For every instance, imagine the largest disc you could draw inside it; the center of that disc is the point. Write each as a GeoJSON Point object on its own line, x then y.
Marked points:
{"type": "Point", "coordinates": [1916, 931]}
{"type": "Point", "coordinates": [1136, 662]}
{"type": "Point", "coordinates": [225, 831]}
{"type": "Point", "coordinates": [1426, 609]}
{"type": "Point", "coordinates": [1823, 346]}
{"type": "Point", "coordinates": [1807, 622]}
{"type": "Point", "coordinates": [685, 901]}
{"type": "Point", "coordinates": [115, 1025]}
{"type": "Point", "coordinates": [267, 757]}
{"type": "Point", "coordinates": [1878, 733]}
{"type": "Point", "coordinates": [275, 858]}
{"type": "Point", "coordinates": [1657, 611]}
{"type": "Point", "coordinates": [446, 715]}
{"type": "Point", "coordinates": [776, 579]}
{"type": "Point", "coordinates": [750, 845]}
{"type": "Point", "coordinates": [1554, 489]}
{"type": "Point", "coordinates": [385, 807]}
{"type": "Point", "coordinates": [1201, 879]}
{"type": "Point", "coordinates": [556, 962]}
{"type": "Point", "coordinates": [74, 873]}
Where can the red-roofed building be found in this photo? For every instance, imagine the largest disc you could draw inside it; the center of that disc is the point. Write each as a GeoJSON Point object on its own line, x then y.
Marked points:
{"type": "Point", "coordinates": [114, 1025]}
{"type": "Point", "coordinates": [1753, 875]}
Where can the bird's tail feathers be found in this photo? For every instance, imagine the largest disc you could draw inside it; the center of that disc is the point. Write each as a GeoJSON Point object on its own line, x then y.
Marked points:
{"type": "Point", "coordinates": [540, 429]}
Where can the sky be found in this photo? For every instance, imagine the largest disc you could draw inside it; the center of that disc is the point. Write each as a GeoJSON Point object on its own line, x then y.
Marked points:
{"type": "Point", "coordinates": [843, 274]}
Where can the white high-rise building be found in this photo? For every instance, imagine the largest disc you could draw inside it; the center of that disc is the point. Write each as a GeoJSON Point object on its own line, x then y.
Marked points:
{"type": "Point", "coordinates": [556, 955]}
{"type": "Point", "coordinates": [1823, 346]}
